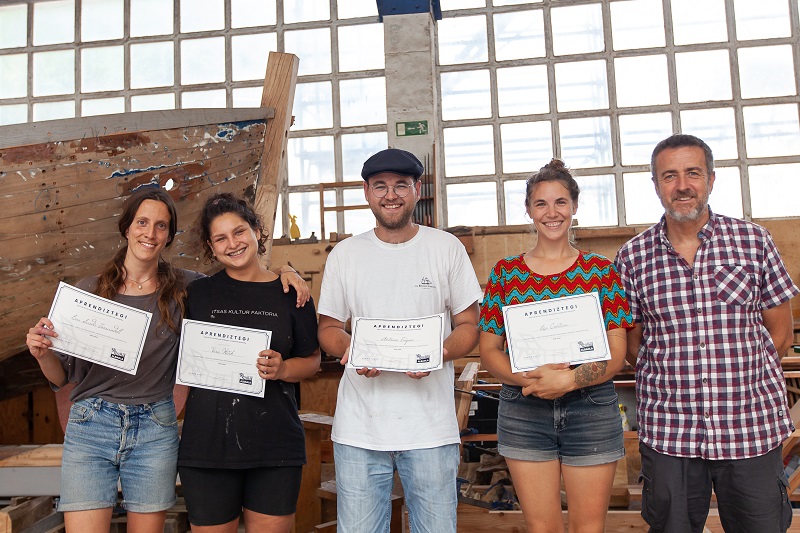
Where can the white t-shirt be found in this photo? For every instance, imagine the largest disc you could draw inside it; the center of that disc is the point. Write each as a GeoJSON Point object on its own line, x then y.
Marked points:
{"type": "Point", "coordinates": [364, 276]}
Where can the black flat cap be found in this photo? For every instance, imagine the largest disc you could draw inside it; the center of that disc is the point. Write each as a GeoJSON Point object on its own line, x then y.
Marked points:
{"type": "Point", "coordinates": [392, 160]}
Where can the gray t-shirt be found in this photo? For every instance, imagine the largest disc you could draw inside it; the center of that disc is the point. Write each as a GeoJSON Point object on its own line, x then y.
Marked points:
{"type": "Point", "coordinates": [155, 376]}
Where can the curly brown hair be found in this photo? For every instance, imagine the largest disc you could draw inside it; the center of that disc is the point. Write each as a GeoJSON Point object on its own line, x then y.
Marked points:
{"type": "Point", "coordinates": [220, 204]}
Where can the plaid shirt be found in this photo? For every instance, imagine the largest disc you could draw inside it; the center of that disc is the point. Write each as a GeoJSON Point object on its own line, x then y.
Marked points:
{"type": "Point", "coordinates": [708, 378]}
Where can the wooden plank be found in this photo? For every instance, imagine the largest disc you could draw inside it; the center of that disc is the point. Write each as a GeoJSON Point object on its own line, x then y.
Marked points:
{"type": "Point", "coordinates": [46, 426]}
{"type": "Point", "coordinates": [76, 128]}
{"type": "Point", "coordinates": [279, 86]}
{"type": "Point", "coordinates": [47, 455]}
{"type": "Point", "coordinates": [15, 426]}
{"type": "Point", "coordinates": [17, 517]}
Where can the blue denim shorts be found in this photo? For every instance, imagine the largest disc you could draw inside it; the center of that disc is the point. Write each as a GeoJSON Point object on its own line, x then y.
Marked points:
{"type": "Point", "coordinates": [108, 443]}
{"type": "Point", "coordinates": [582, 428]}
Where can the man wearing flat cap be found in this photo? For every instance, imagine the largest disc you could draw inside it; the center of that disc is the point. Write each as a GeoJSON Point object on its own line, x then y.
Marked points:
{"type": "Point", "coordinates": [387, 421]}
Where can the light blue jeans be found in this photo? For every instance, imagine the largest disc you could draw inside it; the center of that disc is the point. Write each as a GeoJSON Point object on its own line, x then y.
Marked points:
{"type": "Point", "coordinates": [364, 481]}
{"type": "Point", "coordinates": [107, 443]}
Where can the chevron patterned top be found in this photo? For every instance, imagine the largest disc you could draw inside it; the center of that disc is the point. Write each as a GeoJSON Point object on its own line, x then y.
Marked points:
{"type": "Point", "coordinates": [512, 282]}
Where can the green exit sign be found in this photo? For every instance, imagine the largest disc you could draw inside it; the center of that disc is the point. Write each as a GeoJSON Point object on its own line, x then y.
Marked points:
{"type": "Point", "coordinates": [415, 127]}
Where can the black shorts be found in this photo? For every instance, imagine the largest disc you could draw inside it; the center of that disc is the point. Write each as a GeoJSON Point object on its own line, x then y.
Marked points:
{"type": "Point", "coordinates": [751, 493]}
{"type": "Point", "coordinates": [216, 496]}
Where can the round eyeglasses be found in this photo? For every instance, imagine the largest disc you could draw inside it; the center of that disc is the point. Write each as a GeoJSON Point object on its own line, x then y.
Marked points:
{"type": "Point", "coordinates": [381, 189]}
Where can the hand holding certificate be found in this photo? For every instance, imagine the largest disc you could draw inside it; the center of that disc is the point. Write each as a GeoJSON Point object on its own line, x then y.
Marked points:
{"type": "Point", "coordinates": [397, 345]}
{"type": "Point", "coordinates": [569, 329]}
{"type": "Point", "coordinates": [220, 357]}
{"type": "Point", "coordinates": [98, 330]}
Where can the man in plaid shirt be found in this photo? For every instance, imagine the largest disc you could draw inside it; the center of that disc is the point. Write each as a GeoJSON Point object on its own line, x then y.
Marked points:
{"type": "Point", "coordinates": [710, 297]}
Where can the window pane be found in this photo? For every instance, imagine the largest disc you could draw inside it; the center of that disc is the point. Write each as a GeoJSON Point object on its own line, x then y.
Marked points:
{"type": "Point", "coordinates": [462, 40]}
{"type": "Point", "coordinates": [152, 65]}
{"type": "Point", "coordinates": [249, 55]}
{"type": "Point", "coordinates": [581, 85]}
{"type": "Point", "coordinates": [203, 60]}
{"type": "Point", "coordinates": [249, 13]}
{"type": "Point", "coordinates": [774, 190]}
{"type": "Point", "coordinates": [247, 96]}
{"type": "Point", "coordinates": [522, 90]}
{"type": "Point", "coordinates": [361, 47]}
{"type": "Point", "coordinates": [642, 205]}
{"type": "Point", "coordinates": [514, 193]}
{"type": "Point", "coordinates": [53, 22]}
{"type": "Point", "coordinates": [637, 24]}
{"type": "Point", "coordinates": [472, 204]}
{"type": "Point", "coordinates": [468, 151]}
{"type": "Point", "coordinates": [466, 95]}
{"type": "Point", "coordinates": [148, 102]}
{"type": "Point", "coordinates": [13, 26]}
{"type": "Point", "coordinates": [356, 148]}
{"type": "Point", "coordinates": [102, 69]}
{"type": "Point", "coordinates": [101, 20]}
{"type": "Point", "coordinates": [54, 73]}
{"type": "Point", "coordinates": [586, 142]}
{"type": "Point", "coordinates": [639, 134]}
{"type": "Point", "coordinates": [313, 47]}
{"type": "Point", "coordinates": [527, 146]}
{"type": "Point", "coordinates": [53, 111]}
{"type": "Point", "coordinates": [519, 35]}
{"type": "Point", "coordinates": [764, 19]}
{"type": "Point", "coordinates": [305, 10]}
{"type": "Point", "coordinates": [716, 127]}
{"type": "Point", "coordinates": [513, 2]}
{"type": "Point", "coordinates": [641, 80]}
{"type": "Point", "coordinates": [305, 206]}
{"type": "Point", "coordinates": [14, 76]}
{"type": "Point", "coordinates": [312, 106]}
{"type": "Point", "coordinates": [311, 161]}
{"type": "Point", "coordinates": [766, 71]}
{"type": "Point", "coordinates": [703, 76]}
{"type": "Point", "coordinates": [699, 22]}
{"type": "Point", "coordinates": [102, 106]}
{"type": "Point", "coordinates": [577, 29]}
{"type": "Point", "coordinates": [347, 9]}
{"type": "Point", "coordinates": [13, 114]}
{"type": "Point", "coordinates": [363, 101]}
{"type": "Point", "coordinates": [151, 17]}
{"type": "Point", "coordinates": [359, 221]}
{"type": "Point", "coordinates": [771, 130]}
{"type": "Point", "coordinates": [200, 99]}
{"type": "Point", "coordinates": [202, 15]}
{"type": "Point", "coordinates": [726, 197]}
{"type": "Point", "coordinates": [597, 204]}
{"type": "Point", "coordinates": [449, 5]}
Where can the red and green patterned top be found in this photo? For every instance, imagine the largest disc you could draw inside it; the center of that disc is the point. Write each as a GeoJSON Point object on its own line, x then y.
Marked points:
{"type": "Point", "coordinates": [512, 282]}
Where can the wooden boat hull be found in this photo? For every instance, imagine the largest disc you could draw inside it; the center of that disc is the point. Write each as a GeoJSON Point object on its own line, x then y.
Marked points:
{"type": "Point", "coordinates": [62, 185]}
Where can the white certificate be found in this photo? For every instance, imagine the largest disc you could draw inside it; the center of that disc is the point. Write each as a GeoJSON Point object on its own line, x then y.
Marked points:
{"type": "Point", "coordinates": [220, 357]}
{"type": "Point", "coordinates": [569, 329]}
{"type": "Point", "coordinates": [397, 344]}
{"type": "Point", "coordinates": [98, 330]}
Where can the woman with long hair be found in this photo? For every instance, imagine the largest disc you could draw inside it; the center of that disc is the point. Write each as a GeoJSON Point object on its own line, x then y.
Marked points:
{"type": "Point", "coordinates": [241, 453]}
{"type": "Point", "coordinates": [557, 421]}
{"type": "Point", "coordinates": [122, 428]}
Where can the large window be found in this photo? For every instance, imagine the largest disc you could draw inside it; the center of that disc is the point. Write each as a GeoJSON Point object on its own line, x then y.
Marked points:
{"type": "Point", "coordinates": [70, 58]}
{"type": "Point", "coordinates": [596, 83]}
{"type": "Point", "coordinates": [599, 84]}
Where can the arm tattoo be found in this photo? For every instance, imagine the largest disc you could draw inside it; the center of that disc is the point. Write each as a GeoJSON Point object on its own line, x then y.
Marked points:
{"type": "Point", "coordinates": [588, 372]}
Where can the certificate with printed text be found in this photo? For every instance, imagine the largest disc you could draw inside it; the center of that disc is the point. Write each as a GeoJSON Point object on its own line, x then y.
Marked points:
{"type": "Point", "coordinates": [220, 357]}
{"type": "Point", "coordinates": [397, 344]}
{"type": "Point", "coordinates": [569, 329]}
{"type": "Point", "coordinates": [98, 330]}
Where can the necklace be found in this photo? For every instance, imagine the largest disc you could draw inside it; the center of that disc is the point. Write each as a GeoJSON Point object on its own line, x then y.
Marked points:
{"type": "Point", "coordinates": [140, 283]}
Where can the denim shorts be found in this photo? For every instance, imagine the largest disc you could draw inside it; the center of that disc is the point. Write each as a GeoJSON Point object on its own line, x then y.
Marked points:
{"type": "Point", "coordinates": [582, 428]}
{"type": "Point", "coordinates": [108, 443]}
